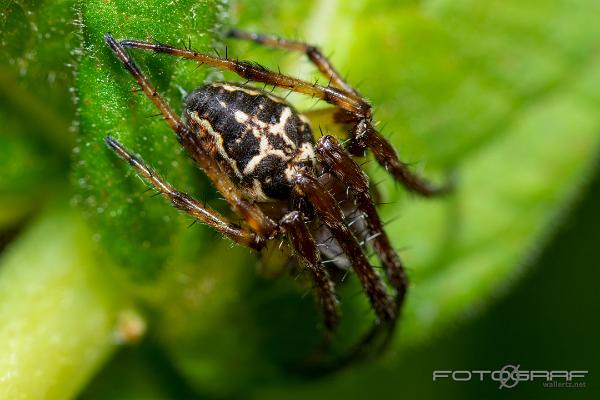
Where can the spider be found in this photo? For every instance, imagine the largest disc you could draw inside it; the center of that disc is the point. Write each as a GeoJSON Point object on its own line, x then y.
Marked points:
{"type": "Point", "coordinates": [260, 154]}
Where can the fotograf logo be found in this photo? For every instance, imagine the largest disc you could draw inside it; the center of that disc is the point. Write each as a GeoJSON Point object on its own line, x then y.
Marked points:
{"type": "Point", "coordinates": [509, 376]}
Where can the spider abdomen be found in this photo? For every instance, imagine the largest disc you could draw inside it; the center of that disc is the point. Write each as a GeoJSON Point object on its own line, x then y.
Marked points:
{"type": "Point", "coordinates": [259, 139]}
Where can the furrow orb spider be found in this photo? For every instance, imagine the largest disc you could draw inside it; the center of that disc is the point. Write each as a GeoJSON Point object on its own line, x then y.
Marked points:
{"type": "Point", "coordinates": [260, 154]}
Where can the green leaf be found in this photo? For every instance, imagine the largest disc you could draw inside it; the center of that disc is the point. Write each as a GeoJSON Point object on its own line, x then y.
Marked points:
{"type": "Point", "coordinates": [503, 95]}
{"type": "Point", "coordinates": [178, 271]}
{"type": "Point", "coordinates": [140, 232]}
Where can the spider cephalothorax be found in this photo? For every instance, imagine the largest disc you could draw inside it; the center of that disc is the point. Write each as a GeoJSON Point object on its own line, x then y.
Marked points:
{"type": "Point", "coordinates": [260, 154]}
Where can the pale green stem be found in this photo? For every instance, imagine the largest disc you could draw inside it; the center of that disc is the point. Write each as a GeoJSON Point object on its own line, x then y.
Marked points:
{"type": "Point", "coordinates": [60, 311]}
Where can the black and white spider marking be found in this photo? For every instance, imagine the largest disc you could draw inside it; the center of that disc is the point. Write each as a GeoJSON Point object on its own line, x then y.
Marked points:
{"type": "Point", "coordinates": [261, 140]}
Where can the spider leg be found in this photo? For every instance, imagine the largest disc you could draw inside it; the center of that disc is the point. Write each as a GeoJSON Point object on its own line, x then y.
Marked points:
{"type": "Point", "coordinates": [365, 136]}
{"type": "Point", "coordinates": [330, 153]}
{"type": "Point", "coordinates": [302, 241]}
{"type": "Point", "coordinates": [328, 210]}
{"type": "Point", "coordinates": [353, 109]}
{"type": "Point", "coordinates": [313, 53]}
{"type": "Point", "coordinates": [186, 203]}
{"type": "Point", "coordinates": [383, 151]}
{"type": "Point", "coordinates": [255, 218]}
{"type": "Point", "coordinates": [348, 101]}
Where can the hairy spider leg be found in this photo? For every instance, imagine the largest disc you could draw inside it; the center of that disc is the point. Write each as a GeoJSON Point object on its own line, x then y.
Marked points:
{"type": "Point", "coordinates": [354, 108]}
{"type": "Point", "coordinates": [341, 165]}
{"type": "Point", "coordinates": [306, 249]}
{"type": "Point", "coordinates": [302, 241]}
{"type": "Point", "coordinates": [365, 135]}
{"type": "Point", "coordinates": [329, 212]}
{"type": "Point", "coordinates": [313, 53]}
{"type": "Point", "coordinates": [332, 155]}
{"type": "Point", "coordinates": [384, 152]}
{"type": "Point", "coordinates": [253, 215]}
{"type": "Point", "coordinates": [187, 203]}
{"type": "Point", "coordinates": [258, 73]}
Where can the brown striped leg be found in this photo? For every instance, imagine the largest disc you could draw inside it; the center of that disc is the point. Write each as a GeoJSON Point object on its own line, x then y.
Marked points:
{"type": "Point", "coordinates": [383, 151]}
{"type": "Point", "coordinates": [329, 212]}
{"type": "Point", "coordinates": [331, 154]}
{"type": "Point", "coordinates": [313, 53]}
{"type": "Point", "coordinates": [354, 109]}
{"type": "Point", "coordinates": [306, 249]}
{"type": "Point", "coordinates": [187, 203]}
{"type": "Point", "coordinates": [255, 218]}
{"type": "Point", "coordinates": [257, 73]}
{"type": "Point", "coordinates": [365, 136]}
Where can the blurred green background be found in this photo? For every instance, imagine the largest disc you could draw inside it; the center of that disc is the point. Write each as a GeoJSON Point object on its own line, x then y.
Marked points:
{"type": "Point", "coordinates": [105, 292]}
